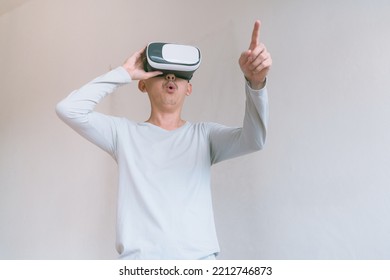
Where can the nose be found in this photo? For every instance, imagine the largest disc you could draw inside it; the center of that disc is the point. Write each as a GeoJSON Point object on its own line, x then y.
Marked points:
{"type": "Point", "coordinates": [170, 77]}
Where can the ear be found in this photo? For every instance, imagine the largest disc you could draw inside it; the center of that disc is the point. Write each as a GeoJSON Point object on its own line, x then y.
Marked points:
{"type": "Point", "coordinates": [189, 89]}
{"type": "Point", "coordinates": [141, 85]}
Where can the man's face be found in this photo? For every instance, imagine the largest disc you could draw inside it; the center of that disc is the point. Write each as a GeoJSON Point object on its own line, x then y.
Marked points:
{"type": "Point", "coordinates": [166, 91]}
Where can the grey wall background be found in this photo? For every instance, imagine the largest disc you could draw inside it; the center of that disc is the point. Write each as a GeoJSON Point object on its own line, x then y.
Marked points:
{"type": "Point", "coordinates": [319, 190]}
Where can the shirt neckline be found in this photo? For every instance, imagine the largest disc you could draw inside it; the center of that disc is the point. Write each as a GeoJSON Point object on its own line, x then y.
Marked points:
{"type": "Point", "coordinates": [156, 127]}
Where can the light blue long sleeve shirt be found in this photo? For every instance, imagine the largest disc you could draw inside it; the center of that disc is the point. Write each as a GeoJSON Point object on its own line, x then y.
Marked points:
{"type": "Point", "coordinates": [164, 197]}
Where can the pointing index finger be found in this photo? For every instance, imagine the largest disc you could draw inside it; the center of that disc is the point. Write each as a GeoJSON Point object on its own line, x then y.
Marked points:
{"type": "Point", "coordinates": [255, 35]}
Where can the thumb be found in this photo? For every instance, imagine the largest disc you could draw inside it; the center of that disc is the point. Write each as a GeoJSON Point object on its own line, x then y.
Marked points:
{"type": "Point", "coordinates": [152, 74]}
{"type": "Point", "coordinates": [245, 57]}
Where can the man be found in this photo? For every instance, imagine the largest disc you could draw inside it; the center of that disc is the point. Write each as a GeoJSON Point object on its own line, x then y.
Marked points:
{"type": "Point", "coordinates": [164, 198]}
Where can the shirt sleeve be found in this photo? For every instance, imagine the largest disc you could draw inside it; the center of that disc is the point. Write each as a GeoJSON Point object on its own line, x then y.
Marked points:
{"type": "Point", "coordinates": [77, 110]}
{"type": "Point", "coordinates": [227, 142]}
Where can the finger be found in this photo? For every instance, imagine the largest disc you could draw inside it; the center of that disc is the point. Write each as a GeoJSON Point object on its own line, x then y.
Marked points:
{"type": "Point", "coordinates": [244, 58]}
{"type": "Point", "coordinates": [152, 74]}
{"type": "Point", "coordinates": [263, 65]}
{"type": "Point", "coordinates": [141, 50]}
{"type": "Point", "coordinates": [259, 50]}
{"type": "Point", "coordinates": [259, 59]}
{"type": "Point", "coordinates": [137, 57]}
{"type": "Point", "coordinates": [255, 35]}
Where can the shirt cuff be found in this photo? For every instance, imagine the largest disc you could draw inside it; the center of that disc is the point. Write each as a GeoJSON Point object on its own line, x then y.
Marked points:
{"type": "Point", "coordinates": [125, 76]}
{"type": "Point", "coordinates": [256, 91]}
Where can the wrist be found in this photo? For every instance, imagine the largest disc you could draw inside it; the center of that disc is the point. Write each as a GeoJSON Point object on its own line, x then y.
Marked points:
{"type": "Point", "coordinates": [257, 85]}
{"type": "Point", "coordinates": [127, 69]}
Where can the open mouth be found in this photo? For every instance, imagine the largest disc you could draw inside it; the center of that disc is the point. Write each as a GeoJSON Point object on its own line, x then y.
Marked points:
{"type": "Point", "coordinates": [170, 87]}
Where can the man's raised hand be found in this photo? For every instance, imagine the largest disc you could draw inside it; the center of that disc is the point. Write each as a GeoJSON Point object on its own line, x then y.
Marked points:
{"type": "Point", "coordinates": [256, 61]}
{"type": "Point", "coordinates": [135, 67]}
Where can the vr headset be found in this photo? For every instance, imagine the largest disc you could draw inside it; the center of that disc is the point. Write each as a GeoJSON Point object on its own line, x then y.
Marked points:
{"type": "Point", "coordinates": [181, 60]}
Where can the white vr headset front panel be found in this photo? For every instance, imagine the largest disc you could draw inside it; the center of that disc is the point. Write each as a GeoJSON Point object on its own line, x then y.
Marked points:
{"type": "Point", "coordinates": [180, 54]}
{"type": "Point", "coordinates": [177, 57]}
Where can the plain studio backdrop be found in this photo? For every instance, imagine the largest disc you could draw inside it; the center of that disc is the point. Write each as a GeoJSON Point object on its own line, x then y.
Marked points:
{"type": "Point", "coordinates": [319, 190]}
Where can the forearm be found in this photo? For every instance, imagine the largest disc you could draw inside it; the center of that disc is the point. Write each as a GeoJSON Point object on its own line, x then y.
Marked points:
{"type": "Point", "coordinates": [227, 142]}
{"type": "Point", "coordinates": [256, 117]}
{"type": "Point", "coordinates": [76, 107]}
{"type": "Point", "coordinates": [77, 110]}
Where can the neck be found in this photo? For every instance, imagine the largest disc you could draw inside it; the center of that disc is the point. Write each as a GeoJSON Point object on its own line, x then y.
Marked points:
{"type": "Point", "coordinates": [166, 121]}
